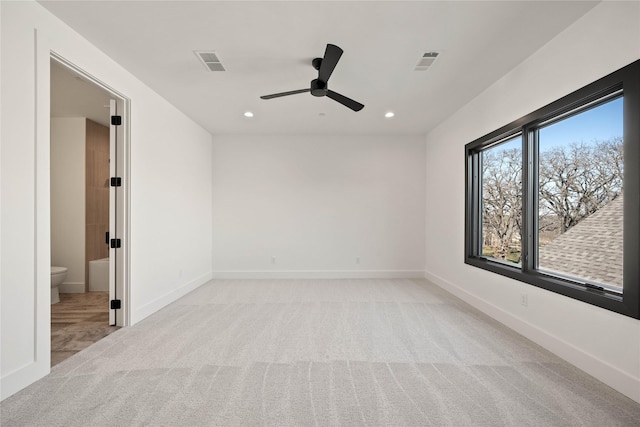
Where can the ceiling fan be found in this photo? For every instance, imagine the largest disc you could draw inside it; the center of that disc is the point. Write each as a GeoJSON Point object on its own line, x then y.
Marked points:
{"type": "Point", "coordinates": [319, 86]}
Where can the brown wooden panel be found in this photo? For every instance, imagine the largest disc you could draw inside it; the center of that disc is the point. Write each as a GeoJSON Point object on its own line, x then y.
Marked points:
{"type": "Point", "coordinates": [95, 233]}
{"type": "Point", "coordinates": [96, 194]}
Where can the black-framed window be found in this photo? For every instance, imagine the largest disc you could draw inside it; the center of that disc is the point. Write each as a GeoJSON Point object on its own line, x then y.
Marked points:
{"type": "Point", "coordinates": [553, 198]}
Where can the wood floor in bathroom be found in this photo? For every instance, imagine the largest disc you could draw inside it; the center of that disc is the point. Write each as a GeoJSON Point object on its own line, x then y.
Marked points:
{"type": "Point", "coordinates": [78, 321]}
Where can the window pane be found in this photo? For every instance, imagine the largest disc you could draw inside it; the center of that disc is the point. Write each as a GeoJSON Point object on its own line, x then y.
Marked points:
{"type": "Point", "coordinates": [502, 201]}
{"type": "Point", "coordinates": [581, 194]}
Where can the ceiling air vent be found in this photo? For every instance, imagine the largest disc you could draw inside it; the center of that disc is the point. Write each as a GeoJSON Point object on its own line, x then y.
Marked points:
{"type": "Point", "coordinates": [426, 61]}
{"type": "Point", "coordinates": [210, 60]}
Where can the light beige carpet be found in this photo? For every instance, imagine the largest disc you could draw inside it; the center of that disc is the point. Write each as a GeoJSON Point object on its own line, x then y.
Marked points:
{"type": "Point", "coordinates": [317, 353]}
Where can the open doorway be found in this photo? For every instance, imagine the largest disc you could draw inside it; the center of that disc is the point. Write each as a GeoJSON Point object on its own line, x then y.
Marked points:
{"type": "Point", "coordinates": [89, 266]}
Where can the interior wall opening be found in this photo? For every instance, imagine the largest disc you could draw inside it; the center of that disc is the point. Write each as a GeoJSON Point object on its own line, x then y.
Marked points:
{"type": "Point", "coordinates": [88, 270]}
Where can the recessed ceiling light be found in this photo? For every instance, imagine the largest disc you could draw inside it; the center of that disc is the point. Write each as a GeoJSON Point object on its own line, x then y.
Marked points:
{"type": "Point", "coordinates": [248, 114]}
{"type": "Point", "coordinates": [389, 114]}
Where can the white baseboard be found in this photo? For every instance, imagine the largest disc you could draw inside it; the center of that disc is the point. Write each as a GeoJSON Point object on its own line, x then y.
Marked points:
{"type": "Point", "coordinates": [600, 369]}
{"type": "Point", "coordinates": [137, 314]}
{"type": "Point", "coordinates": [320, 274]}
{"type": "Point", "coordinates": [23, 377]}
{"type": "Point", "coordinates": [71, 288]}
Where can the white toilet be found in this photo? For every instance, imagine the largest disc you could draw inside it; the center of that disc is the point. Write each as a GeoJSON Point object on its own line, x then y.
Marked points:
{"type": "Point", "coordinates": [58, 274]}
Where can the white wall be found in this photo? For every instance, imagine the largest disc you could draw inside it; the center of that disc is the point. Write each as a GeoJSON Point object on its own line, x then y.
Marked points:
{"type": "Point", "coordinates": [68, 146]}
{"type": "Point", "coordinates": [163, 144]}
{"type": "Point", "coordinates": [171, 206]}
{"type": "Point", "coordinates": [603, 343]}
{"type": "Point", "coordinates": [317, 203]}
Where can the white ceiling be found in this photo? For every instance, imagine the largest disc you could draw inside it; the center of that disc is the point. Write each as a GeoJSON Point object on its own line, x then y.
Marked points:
{"type": "Point", "coordinates": [74, 96]}
{"type": "Point", "coordinates": [267, 47]}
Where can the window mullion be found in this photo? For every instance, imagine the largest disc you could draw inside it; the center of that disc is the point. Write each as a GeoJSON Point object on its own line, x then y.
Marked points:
{"type": "Point", "coordinates": [529, 198]}
{"type": "Point", "coordinates": [473, 209]}
{"type": "Point", "coordinates": [477, 204]}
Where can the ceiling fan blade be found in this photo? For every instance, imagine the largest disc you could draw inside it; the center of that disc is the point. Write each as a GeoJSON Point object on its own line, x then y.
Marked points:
{"type": "Point", "coordinates": [347, 102]}
{"type": "Point", "coordinates": [331, 56]}
{"type": "Point", "coordinates": [277, 95]}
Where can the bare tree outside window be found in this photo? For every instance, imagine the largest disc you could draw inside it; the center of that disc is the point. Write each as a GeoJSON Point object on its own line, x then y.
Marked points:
{"type": "Point", "coordinates": [580, 191]}
{"type": "Point", "coordinates": [576, 180]}
{"type": "Point", "coordinates": [502, 201]}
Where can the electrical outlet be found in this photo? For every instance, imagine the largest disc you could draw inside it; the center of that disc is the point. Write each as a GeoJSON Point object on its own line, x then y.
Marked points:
{"type": "Point", "coordinates": [180, 273]}
{"type": "Point", "coordinates": [358, 260]}
{"type": "Point", "coordinates": [524, 300]}
{"type": "Point", "coordinates": [273, 260]}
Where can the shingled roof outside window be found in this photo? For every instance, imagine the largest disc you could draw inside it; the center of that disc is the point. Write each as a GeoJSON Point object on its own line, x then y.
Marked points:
{"type": "Point", "coordinates": [590, 250]}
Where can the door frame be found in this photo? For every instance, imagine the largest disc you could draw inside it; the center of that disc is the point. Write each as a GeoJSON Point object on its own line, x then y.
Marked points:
{"type": "Point", "coordinates": [120, 264]}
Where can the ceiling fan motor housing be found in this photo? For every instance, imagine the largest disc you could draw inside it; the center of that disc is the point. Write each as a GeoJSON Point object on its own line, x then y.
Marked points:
{"type": "Point", "coordinates": [318, 88]}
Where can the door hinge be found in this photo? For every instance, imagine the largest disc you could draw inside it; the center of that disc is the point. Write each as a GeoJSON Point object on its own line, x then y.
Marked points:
{"type": "Point", "coordinates": [106, 238]}
{"type": "Point", "coordinates": [115, 243]}
{"type": "Point", "coordinates": [116, 120]}
{"type": "Point", "coordinates": [116, 181]}
{"type": "Point", "coordinates": [116, 304]}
